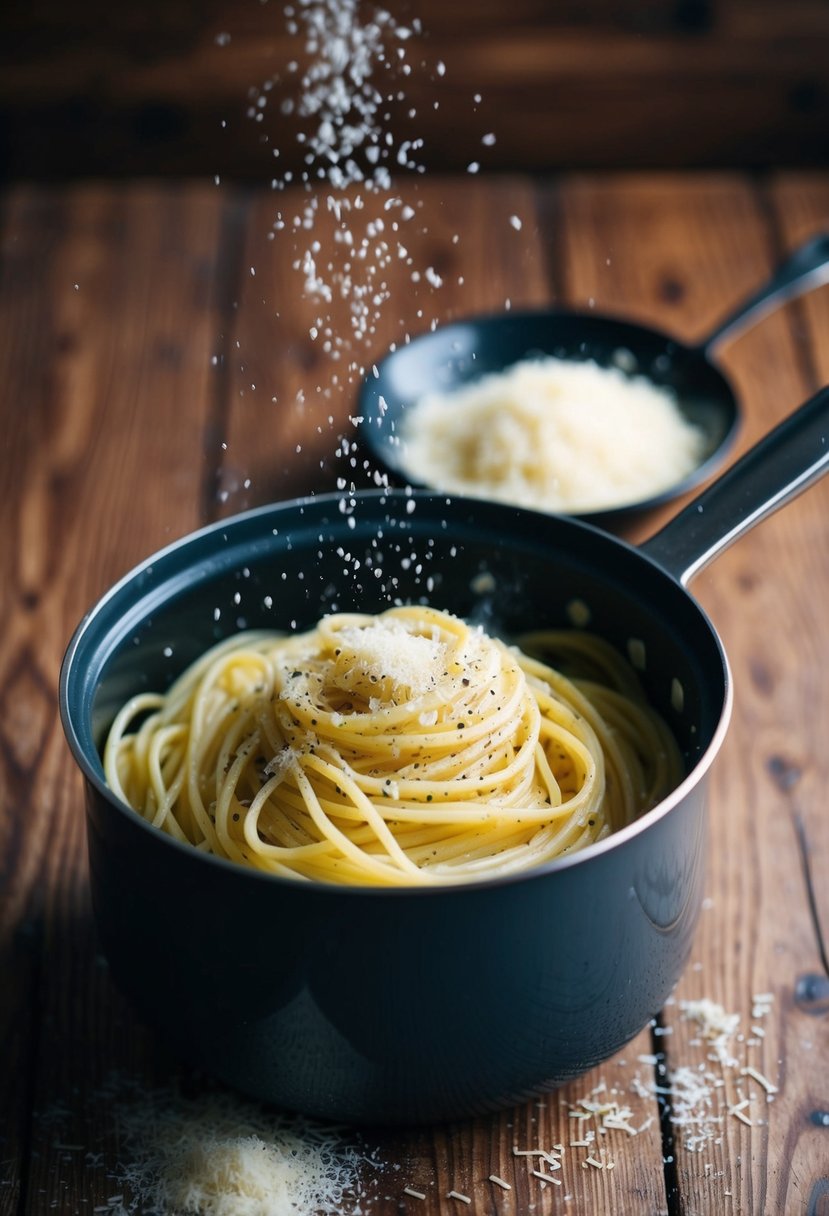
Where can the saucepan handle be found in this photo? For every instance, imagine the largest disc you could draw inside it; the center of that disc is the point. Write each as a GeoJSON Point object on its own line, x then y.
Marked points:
{"type": "Point", "coordinates": [784, 463]}
{"type": "Point", "coordinates": [803, 270]}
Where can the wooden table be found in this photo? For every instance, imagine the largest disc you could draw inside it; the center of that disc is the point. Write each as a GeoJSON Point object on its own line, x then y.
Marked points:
{"type": "Point", "coordinates": [153, 343]}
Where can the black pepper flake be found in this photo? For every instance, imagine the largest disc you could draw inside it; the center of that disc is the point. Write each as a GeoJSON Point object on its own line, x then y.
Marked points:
{"type": "Point", "coordinates": [465, 682]}
{"type": "Point", "coordinates": [428, 797]}
{"type": "Point", "coordinates": [294, 674]}
{"type": "Point", "coordinates": [236, 816]}
{"type": "Point", "coordinates": [461, 725]}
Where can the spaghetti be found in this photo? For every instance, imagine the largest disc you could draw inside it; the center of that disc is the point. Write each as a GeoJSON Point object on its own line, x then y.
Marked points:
{"type": "Point", "coordinates": [405, 748]}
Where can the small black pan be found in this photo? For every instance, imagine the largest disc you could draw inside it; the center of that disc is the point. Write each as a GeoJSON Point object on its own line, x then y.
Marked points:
{"type": "Point", "coordinates": [456, 354]}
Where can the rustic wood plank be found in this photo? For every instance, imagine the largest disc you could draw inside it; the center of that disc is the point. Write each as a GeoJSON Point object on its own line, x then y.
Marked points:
{"type": "Point", "coordinates": [713, 241]}
{"type": "Point", "coordinates": [799, 768]}
{"type": "Point", "coordinates": [109, 316]}
{"type": "Point", "coordinates": [565, 86]}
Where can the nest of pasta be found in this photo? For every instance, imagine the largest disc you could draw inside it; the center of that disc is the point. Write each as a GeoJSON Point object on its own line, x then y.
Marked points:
{"type": "Point", "coordinates": [404, 748]}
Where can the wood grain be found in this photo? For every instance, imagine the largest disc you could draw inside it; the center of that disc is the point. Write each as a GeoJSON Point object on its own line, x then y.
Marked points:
{"type": "Point", "coordinates": [108, 390]}
{"type": "Point", "coordinates": [96, 90]}
{"type": "Point", "coordinates": [132, 333]}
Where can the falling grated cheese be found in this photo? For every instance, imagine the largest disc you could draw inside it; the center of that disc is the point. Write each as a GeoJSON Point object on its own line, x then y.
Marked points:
{"type": "Point", "coordinates": [408, 1190]}
{"type": "Point", "coordinates": [459, 1196]}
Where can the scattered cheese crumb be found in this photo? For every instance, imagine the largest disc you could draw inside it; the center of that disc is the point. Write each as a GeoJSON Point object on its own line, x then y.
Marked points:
{"type": "Point", "coordinates": [714, 1023]}
{"type": "Point", "coordinates": [748, 1071]}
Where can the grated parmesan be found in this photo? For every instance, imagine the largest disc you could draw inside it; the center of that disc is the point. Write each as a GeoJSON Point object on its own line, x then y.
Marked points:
{"type": "Point", "coordinates": [715, 1025]}
{"type": "Point", "coordinates": [748, 1071]}
{"type": "Point", "coordinates": [222, 1156]}
{"type": "Point", "coordinates": [387, 651]}
{"type": "Point", "coordinates": [552, 434]}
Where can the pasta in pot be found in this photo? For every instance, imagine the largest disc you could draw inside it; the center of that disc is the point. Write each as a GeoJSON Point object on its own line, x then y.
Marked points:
{"type": "Point", "coordinates": [407, 748]}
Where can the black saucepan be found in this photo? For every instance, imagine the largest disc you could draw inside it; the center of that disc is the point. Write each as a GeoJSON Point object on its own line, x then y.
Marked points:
{"type": "Point", "coordinates": [458, 353]}
{"type": "Point", "coordinates": [415, 1004]}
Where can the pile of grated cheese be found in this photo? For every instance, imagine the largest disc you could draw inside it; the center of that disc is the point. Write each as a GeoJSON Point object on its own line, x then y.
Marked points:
{"type": "Point", "coordinates": [221, 1156]}
{"type": "Point", "coordinates": [389, 653]}
{"type": "Point", "coordinates": [552, 434]}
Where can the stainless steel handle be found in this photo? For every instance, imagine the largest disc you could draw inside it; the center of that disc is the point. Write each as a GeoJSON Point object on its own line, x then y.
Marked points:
{"type": "Point", "coordinates": [803, 270]}
{"type": "Point", "coordinates": [784, 463]}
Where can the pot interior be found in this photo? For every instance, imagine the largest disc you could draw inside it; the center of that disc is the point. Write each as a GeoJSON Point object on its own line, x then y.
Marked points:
{"type": "Point", "coordinates": [283, 567]}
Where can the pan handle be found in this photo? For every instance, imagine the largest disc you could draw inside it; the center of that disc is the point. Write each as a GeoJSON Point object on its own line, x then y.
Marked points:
{"type": "Point", "coordinates": [784, 463]}
{"type": "Point", "coordinates": [803, 270]}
